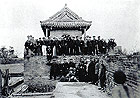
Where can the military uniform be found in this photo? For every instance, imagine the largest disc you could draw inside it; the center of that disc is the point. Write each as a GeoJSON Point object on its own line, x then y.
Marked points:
{"type": "Point", "coordinates": [81, 46]}
{"type": "Point", "coordinates": [53, 70]}
{"type": "Point", "coordinates": [49, 53]}
{"type": "Point", "coordinates": [89, 45]}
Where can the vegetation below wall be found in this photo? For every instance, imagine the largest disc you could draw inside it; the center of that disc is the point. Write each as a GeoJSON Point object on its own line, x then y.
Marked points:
{"type": "Point", "coordinates": [11, 60]}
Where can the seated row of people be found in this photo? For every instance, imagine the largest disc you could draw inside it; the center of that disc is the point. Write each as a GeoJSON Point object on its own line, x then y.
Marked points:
{"type": "Point", "coordinates": [92, 71]}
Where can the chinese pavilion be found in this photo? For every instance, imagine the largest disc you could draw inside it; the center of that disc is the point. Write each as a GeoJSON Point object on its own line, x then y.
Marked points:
{"type": "Point", "coordinates": [63, 22]}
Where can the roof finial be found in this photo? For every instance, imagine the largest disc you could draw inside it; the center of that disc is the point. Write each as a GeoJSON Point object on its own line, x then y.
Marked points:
{"type": "Point", "coordinates": [65, 4]}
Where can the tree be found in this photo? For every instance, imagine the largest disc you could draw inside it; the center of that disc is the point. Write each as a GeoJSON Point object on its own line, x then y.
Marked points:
{"type": "Point", "coordinates": [7, 55]}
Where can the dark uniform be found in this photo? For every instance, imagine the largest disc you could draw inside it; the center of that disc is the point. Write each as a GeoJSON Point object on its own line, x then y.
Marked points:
{"type": "Point", "coordinates": [71, 45]}
{"type": "Point", "coordinates": [91, 72]}
{"type": "Point", "coordinates": [103, 76]}
{"type": "Point", "coordinates": [27, 46]}
{"type": "Point", "coordinates": [77, 46]}
{"type": "Point", "coordinates": [104, 47]}
{"type": "Point", "coordinates": [94, 46]}
{"type": "Point", "coordinates": [49, 53]}
{"type": "Point", "coordinates": [71, 64]}
{"type": "Point", "coordinates": [81, 46]}
{"type": "Point", "coordinates": [81, 72]}
{"type": "Point", "coordinates": [39, 46]}
{"type": "Point", "coordinates": [53, 70]}
{"type": "Point", "coordinates": [100, 45]}
{"type": "Point", "coordinates": [85, 47]}
{"type": "Point", "coordinates": [89, 45]}
{"type": "Point", "coordinates": [65, 68]}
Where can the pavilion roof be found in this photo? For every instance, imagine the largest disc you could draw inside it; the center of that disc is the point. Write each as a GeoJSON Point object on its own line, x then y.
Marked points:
{"type": "Point", "coordinates": [65, 18]}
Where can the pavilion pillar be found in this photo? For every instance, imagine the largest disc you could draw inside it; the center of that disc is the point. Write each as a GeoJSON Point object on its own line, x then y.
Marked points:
{"type": "Point", "coordinates": [84, 32]}
{"type": "Point", "coordinates": [44, 30]}
{"type": "Point", "coordinates": [48, 33]}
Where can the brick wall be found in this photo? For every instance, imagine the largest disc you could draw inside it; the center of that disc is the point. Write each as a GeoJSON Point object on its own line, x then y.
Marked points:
{"type": "Point", "coordinates": [132, 72]}
{"type": "Point", "coordinates": [36, 74]}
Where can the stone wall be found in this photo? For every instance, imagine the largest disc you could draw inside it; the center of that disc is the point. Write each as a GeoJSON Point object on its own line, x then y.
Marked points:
{"type": "Point", "coordinates": [36, 74]}
{"type": "Point", "coordinates": [132, 72]}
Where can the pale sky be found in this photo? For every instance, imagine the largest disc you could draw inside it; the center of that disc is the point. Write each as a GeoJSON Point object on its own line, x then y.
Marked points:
{"type": "Point", "coordinates": [119, 19]}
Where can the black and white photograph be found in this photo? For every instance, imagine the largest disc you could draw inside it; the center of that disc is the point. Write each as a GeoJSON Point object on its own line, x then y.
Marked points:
{"type": "Point", "coordinates": [69, 48]}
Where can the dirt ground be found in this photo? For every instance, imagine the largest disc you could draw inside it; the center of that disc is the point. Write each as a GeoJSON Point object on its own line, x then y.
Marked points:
{"type": "Point", "coordinates": [78, 90]}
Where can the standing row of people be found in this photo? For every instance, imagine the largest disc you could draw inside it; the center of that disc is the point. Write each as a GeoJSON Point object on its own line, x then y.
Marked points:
{"type": "Point", "coordinates": [68, 45]}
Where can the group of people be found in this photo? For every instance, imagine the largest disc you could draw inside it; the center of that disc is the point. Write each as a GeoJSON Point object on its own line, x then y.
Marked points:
{"type": "Point", "coordinates": [93, 71]}
{"type": "Point", "coordinates": [68, 45]}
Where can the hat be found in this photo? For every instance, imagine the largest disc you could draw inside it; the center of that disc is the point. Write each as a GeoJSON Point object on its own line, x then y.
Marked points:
{"type": "Point", "coordinates": [119, 77]}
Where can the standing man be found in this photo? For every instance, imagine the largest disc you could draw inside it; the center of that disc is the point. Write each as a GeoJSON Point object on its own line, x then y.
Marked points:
{"type": "Point", "coordinates": [104, 47]}
{"type": "Point", "coordinates": [94, 46]}
{"type": "Point", "coordinates": [91, 71]}
{"type": "Point", "coordinates": [81, 46]}
{"type": "Point", "coordinates": [40, 42]}
{"type": "Point", "coordinates": [53, 70]}
{"type": "Point", "coordinates": [85, 46]}
{"type": "Point", "coordinates": [77, 46]}
{"type": "Point", "coordinates": [102, 76]}
{"type": "Point", "coordinates": [49, 53]}
{"type": "Point", "coordinates": [44, 47]}
{"type": "Point", "coordinates": [89, 46]}
{"type": "Point", "coordinates": [99, 43]}
{"type": "Point", "coordinates": [72, 44]}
